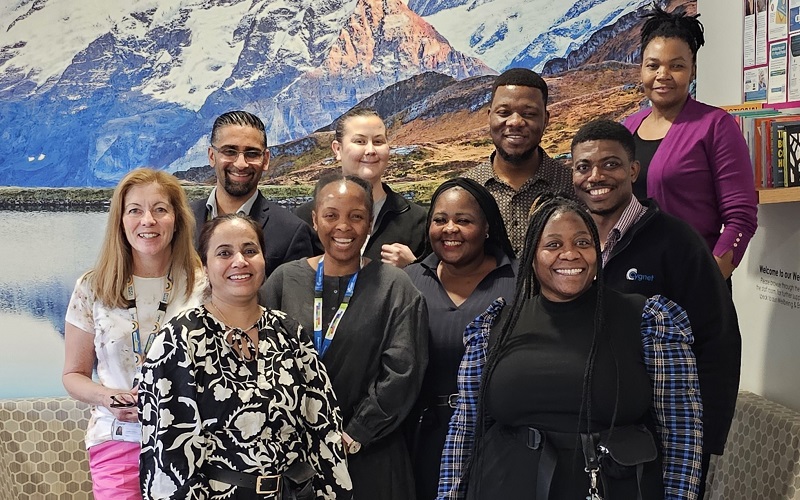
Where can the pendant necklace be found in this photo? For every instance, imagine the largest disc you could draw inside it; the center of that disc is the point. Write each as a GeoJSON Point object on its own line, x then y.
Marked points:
{"type": "Point", "coordinates": [241, 343]}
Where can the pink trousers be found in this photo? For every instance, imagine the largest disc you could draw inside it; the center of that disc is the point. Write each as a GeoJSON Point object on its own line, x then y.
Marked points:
{"type": "Point", "coordinates": [115, 470]}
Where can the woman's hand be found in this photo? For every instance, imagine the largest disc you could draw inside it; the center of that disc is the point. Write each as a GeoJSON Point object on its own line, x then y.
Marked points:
{"type": "Point", "coordinates": [122, 404]}
{"type": "Point", "coordinates": [397, 254]}
{"type": "Point", "coordinates": [79, 359]}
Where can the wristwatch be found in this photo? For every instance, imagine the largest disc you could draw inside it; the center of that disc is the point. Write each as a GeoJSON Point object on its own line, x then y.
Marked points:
{"type": "Point", "coordinates": [353, 448]}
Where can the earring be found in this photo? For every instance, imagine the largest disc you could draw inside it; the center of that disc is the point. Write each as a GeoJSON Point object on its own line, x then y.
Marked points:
{"type": "Point", "coordinates": [487, 236]}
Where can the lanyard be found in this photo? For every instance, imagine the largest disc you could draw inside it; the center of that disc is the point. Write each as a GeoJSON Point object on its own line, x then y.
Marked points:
{"type": "Point", "coordinates": [320, 343]}
{"type": "Point", "coordinates": [136, 340]}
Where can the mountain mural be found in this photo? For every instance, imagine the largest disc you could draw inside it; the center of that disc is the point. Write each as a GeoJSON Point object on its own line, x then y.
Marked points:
{"type": "Point", "coordinates": [90, 89]}
{"type": "Point", "coordinates": [139, 83]}
{"type": "Point", "coordinates": [521, 33]}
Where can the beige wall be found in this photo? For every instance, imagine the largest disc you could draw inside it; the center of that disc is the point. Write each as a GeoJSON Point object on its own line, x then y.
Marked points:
{"type": "Point", "coordinates": [770, 331]}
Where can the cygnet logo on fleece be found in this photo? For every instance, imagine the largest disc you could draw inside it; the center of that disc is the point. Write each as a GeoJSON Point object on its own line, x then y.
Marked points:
{"type": "Point", "coordinates": [633, 275]}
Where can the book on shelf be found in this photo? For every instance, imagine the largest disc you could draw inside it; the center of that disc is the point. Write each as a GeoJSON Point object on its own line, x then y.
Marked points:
{"type": "Point", "coordinates": [792, 155]}
{"type": "Point", "coordinates": [779, 152]}
{"type": "Point", "coordinates": [773, 138]}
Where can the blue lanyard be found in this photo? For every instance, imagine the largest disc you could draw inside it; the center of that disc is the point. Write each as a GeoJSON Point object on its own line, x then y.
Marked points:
{"type": "Point", "coordinates": [320, 343]}
{"type": "Point", "coordinates": [139, 351]}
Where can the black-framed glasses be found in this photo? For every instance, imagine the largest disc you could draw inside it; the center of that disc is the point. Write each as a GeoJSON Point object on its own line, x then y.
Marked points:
{"type": "Point", "coordinates": [120, 401]}
{"type": "Point", "coordinates": [231, 154]}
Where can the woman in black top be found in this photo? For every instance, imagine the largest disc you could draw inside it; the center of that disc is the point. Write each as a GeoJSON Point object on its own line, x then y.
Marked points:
{"type": "Point", "coordinates": [472, 264]}
{"type": "Point", "coordinates": [579, 381]}
{"type": "Point", "coordinates": [376, 354]}
{"type": "Point", "coordinates": [397, 226]}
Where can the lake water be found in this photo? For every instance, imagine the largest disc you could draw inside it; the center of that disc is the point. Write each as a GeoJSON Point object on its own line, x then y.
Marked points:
{"type": "Point", "coordinates": [42, 254]}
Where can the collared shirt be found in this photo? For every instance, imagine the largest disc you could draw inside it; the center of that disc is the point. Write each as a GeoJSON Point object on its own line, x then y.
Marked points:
{"type": "Point", "coordinates": [211, 204]}
{"type": "Point", "coordinates": [515, 205]}
{"type": "Point", "coordinates": [630, 216]}
{"type": "Point", "coordinates": [677, 410]}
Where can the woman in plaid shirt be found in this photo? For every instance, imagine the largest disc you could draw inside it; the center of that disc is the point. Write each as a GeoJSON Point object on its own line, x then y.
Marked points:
{"type": "Point", "coordinates": [575, 391]}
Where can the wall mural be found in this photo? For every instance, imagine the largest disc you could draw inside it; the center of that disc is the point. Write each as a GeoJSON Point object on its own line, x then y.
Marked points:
{"type": "Point", "coordinates": [90, 89]}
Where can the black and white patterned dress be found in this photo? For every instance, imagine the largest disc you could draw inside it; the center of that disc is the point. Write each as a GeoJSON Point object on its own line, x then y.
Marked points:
{"type": "Point", "coordinates": [200, 404]}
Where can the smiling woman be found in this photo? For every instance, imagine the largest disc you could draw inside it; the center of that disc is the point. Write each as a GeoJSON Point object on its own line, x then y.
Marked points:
{"type": "Point", "coordinates": [472, 264]}
{"type": "Point", "coordinates": [563, 393]}
{"type": "Point", "coordinates": [146, 274]}
{"type": "Point", "coordinates": [694, 160]}
{"type": "Point", "coordinates": [250, 406]}
{"type": "Point", "coordinates": [370, 329]}
{"type": "Point", "coordinates": [396, 227]}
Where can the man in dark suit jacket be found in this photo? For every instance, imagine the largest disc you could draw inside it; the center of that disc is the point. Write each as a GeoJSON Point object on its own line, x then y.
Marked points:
{"type": "Point", "coordinates": [239, 155]}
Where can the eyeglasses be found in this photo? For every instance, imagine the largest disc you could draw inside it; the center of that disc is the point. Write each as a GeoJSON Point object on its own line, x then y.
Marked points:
{"type": "Point", "coordinates": [121, 401]}
{"type": "Point", "coordinates": [231, 154]}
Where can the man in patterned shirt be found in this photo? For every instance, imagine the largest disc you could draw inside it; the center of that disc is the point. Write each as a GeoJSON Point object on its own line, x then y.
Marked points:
{"type": "Point", "coordinates": [519, 170]}
{"type": "Point", "coordinates": [649, 252]}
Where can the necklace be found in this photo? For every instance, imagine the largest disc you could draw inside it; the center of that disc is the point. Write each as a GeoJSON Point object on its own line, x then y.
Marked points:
{"type": "Point", "coordinates": [240, 341]}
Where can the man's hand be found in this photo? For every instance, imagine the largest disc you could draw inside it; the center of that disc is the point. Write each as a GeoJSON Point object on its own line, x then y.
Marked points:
{"type": "Point", "coordinates": [725, 264]}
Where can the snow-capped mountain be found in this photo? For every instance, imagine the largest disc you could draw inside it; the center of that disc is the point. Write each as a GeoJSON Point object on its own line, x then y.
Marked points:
{"type": "Point", "coordinates": [522, 33]}
{"type": "Point", "coordinates": [90, 89]}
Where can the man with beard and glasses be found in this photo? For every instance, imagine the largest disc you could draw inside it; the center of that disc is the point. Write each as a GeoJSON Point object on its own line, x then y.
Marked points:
{"type": "Point", "coordinates": [650, 252]}
{"type": "Point", "coordinates": [239, 155]}
{"type": "Point", "coordinates": [519, 170]}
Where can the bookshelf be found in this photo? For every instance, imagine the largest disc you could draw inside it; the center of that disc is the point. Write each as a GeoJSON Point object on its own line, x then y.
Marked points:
{"type": "Point", "coordinates": [778, 195]}
{"type": "Point", "coordinates": [765, 128]}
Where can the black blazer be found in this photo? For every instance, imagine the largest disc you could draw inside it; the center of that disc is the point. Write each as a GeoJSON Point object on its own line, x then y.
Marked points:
{"type": "Point", "coordinates": [286, 237]}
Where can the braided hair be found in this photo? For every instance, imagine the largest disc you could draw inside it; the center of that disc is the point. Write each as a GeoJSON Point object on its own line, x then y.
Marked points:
{"type": "Point", "coordinates": [527, 287]}
{"type": "Point", "coordinates": [676, 24]}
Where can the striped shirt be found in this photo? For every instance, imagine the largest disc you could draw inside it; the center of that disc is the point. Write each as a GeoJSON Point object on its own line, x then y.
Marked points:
{"type": "Point", "coordinates": [630, 216]}
{"type": "Point", "coordinates": [676, 407]}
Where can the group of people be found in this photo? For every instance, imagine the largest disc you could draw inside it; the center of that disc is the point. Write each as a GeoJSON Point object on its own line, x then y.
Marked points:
{"type": "Point", "coordinates": [540, 332]}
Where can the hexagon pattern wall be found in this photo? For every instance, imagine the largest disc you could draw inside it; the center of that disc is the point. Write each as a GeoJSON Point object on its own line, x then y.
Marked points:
{"type": "Point", "coordinates": [42, 454]}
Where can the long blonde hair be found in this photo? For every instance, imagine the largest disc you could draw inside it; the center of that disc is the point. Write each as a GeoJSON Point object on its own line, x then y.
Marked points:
{"type": "Point", "coordinates": [115, 263]}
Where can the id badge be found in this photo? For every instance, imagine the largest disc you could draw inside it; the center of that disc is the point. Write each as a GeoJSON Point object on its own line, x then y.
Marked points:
{"type": "Point", "coordinates": [130, 432]}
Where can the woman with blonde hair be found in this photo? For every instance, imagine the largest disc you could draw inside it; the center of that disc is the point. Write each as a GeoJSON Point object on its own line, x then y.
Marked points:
{"type": "Point", "coordinates": [397, 227]}
{"type": "Point", "coordinates": [147, 273]}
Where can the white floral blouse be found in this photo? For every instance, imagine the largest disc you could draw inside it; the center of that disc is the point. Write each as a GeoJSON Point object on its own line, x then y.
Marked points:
{"type": "Point", "coordinates": [201, 404]}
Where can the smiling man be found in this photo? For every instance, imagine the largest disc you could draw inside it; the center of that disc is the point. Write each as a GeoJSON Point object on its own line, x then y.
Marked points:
{"type": "Point", "coordinates": [519, 170]}
{"type": "Point", "coordinates": [649, 252]}
{"type": "Point", "coordinates": [239, 155]}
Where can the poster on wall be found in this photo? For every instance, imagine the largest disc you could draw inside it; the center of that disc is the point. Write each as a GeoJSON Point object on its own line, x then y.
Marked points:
{"type": "Point", "coordinates": [777, 19]}
{"type": "Point", "coordinates": [749, 33]}
{"type": "Point", "coordinates": [755, 84]}
{"type": "Point", "coordinates": [794, 16]}
{"type": "Point", "coordinates": [761, 32]}
{"type": "Point", "coordinates": [794, 68]}
{"type": "Point", "coordinates": [777, 73]}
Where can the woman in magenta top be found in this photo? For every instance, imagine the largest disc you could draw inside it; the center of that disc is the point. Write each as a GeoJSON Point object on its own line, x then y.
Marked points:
{"type": "Point", "coordinates": [694, 160]}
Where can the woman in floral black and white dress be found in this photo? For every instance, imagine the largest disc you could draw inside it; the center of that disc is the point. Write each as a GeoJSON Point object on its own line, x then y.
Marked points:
{"type": "Point", "coordinates": [232, 395]}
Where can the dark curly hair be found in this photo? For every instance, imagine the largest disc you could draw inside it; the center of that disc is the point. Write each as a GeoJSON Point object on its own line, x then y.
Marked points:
{"type": "Point", "coordinates": [675, 24]}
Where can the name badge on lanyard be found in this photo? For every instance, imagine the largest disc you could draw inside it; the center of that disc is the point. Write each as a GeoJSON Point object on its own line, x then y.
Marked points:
{"type": "Point", "coordinates": [139, 351]}
{"type": "Point", "coordinates": [321, 343]}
